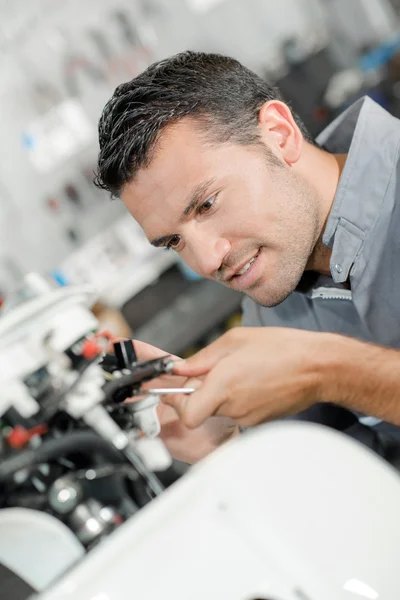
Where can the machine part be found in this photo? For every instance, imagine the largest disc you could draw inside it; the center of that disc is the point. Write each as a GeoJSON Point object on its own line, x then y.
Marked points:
{"type": "Point", "coordinates": [122, 387]}
{"type": "Point", "coordinates": [90, 521]}
{"type": "Point", "coordinates": [154, 484]}
{"type": "Point", "coordinates": [154, 454]}
{"type": "Point", "coordinates": [109, 484]}
{"type": "Point", "coordinates": [57, 415]}
{"type": "Point", "coordinates": [100, 420]}
{"type": "Point", "coordinates": [36, 546]}
{"type": "Point", "coordinates": [51, 450]}
{"type": "Point", "coordinates": [71, 397]}
{"type": "Point", "coordinates": [33, 500]}
{"type": "Point", "coordinates": [38, 382]}
{"type": "Point", "coordinates": [125, 354]}
{"type": "Point", "coordinates": [144, 414]}
{"type": "Point", "coordinates": [64, 495]}
{"type": "Point", "coordinates": [15, 396]}
{"type": "Point", "coordinates": [19, 437]}
{"type": "Point", "coordinates": [84, 392]}
{"type": "Point", "coordinates": [63, 312]}
{"type": "Point", "coordinates": [109, 363]}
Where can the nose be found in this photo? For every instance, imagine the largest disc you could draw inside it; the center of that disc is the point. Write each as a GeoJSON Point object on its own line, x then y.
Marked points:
{"type": "Point", "coordinates": [207, 255]}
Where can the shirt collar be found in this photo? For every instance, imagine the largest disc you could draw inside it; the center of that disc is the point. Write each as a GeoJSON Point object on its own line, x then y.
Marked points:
{"type": "Point", "coordinates": [370, 136]}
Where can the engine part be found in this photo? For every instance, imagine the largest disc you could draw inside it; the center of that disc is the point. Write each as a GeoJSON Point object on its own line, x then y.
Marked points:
{"type": "Point", "coordinates": [91, 521]}
{"type": "Point", "coordinates": [61, 398]}
{"type": "Point", "coordinates": [64, 495]}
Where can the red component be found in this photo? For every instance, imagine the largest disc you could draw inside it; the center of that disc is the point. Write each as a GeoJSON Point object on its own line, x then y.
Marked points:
{"type": "Point", "coordinates": [106, 339]}
{"type": "Point", "coordinates": [38, 430]}
{"type": "Point", "coordinates": [20, 436]}
{"type": "Point", "coordinates": [91, 349]}
{"type": "Point", "coordinates": [118, 519]}
{"type": "Point", "coordinates": [105, 335]}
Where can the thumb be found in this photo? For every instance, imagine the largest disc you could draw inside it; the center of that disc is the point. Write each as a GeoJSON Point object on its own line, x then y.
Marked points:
{"type": "Point", "coordinates": [205, 360]}
{"type": "Point", "coordinates": [146, 351]}
{"type": "Point", "coordinates": [195, 408]}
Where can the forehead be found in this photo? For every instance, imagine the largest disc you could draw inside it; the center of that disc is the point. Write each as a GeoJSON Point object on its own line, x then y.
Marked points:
{"type": "Point", "coordinates": [181, 161]}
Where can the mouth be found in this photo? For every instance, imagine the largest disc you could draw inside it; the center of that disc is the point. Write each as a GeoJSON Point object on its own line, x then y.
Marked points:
{"type": "Point", "coordinates": [246, 267]}
{"type": "Point", "coordinates": [248, 274]}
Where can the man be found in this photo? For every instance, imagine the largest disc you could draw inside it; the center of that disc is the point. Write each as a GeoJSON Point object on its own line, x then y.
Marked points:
{"type": "Point", "coordinates": [212, 164]}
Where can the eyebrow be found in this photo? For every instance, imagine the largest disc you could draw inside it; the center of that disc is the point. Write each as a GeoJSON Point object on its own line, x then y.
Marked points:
{"type": "Point", "coordinates": [195, 197]}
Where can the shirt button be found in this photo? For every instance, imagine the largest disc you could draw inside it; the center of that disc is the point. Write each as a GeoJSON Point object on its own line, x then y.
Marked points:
{"type": "Point", "coordinates": [338, 268]}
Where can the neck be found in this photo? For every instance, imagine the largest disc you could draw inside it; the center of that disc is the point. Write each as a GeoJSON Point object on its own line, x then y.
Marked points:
{"type": "Point", "coordinates": [322, 170]}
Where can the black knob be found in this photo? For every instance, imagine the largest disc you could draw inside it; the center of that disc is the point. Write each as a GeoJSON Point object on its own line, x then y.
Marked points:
{"type": "Point", "coordinates": [125, 353]}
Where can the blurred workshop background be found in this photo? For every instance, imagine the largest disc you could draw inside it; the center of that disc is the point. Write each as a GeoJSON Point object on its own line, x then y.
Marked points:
{"type": "Point", "coordinates": [60, 60]}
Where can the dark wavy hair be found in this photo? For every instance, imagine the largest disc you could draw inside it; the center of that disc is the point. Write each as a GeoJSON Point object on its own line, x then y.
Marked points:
{"type": "Point", "coordinates": [221, 95]}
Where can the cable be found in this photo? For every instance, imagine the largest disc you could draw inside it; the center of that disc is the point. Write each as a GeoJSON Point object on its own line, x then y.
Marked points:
{"type": "Point", "coordinates": [78, 441]}
{"type": "Point", "coordinates": [52, 449]}
{"type": "Point", "coordinates": [152, 480]}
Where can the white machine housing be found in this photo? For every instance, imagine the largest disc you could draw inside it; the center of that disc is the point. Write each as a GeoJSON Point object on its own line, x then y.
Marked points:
{"type": "Point", "coordinates": [291, 511]}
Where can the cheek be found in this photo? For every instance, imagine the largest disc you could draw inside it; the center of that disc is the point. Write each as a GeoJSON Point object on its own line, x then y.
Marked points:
{"type": "Point", "coordinates": [238, 218]}
{"type": "Point", "coordinates": [189, 259]}
{"type": "Point", "coordinates": [257, 199]}
{"type": "Point", "coordinates": [248, 219]}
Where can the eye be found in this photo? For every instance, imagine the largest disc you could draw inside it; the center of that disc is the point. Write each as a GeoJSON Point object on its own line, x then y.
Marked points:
{"type": "Point", "coordinates": [173, 242]}
{"type": "Point", "coordinates": [206, 206]}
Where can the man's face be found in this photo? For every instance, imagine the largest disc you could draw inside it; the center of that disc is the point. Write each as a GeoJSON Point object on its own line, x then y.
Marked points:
{"type": "Point", "coordinates": [230, 215]}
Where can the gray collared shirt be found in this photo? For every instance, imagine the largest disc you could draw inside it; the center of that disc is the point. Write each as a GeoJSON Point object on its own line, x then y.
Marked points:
{"type": "Point", "coordinates": [363, 230]}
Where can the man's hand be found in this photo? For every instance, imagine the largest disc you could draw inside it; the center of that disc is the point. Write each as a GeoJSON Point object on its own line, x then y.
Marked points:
{"type": "Point", "coordinates": [147, 352]}
{"type": "Point", "coordinates": [252, 375]}
{"type": "Point", "coordinates": [188, 445]}
{"type": "Point", "coordinates": [191, 445]}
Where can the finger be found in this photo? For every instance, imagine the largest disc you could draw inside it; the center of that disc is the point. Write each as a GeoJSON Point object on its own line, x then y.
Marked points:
{"type": "Point", "coordinates": [146, 351]}
{"type": "Point", "coordinates": [175, 400]}
{"type": "Point", "coordinates": [164, 381]}
{"type": "Point", "coordinates": [202, 362]}
{"type": "Point", "coordinates": [194, 409]}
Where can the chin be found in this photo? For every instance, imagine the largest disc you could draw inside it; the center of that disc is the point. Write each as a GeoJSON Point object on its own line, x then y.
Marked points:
{"type": "Point", "coordinates": [269, 298]}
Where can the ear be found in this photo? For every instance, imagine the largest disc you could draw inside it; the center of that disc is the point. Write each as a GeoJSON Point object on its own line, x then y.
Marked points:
{"type": "Point", "coordinates": [280, 132]}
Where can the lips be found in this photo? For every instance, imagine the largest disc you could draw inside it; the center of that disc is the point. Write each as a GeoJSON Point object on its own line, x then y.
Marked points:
{"type": "Point", "coordinates": [244, 267]}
